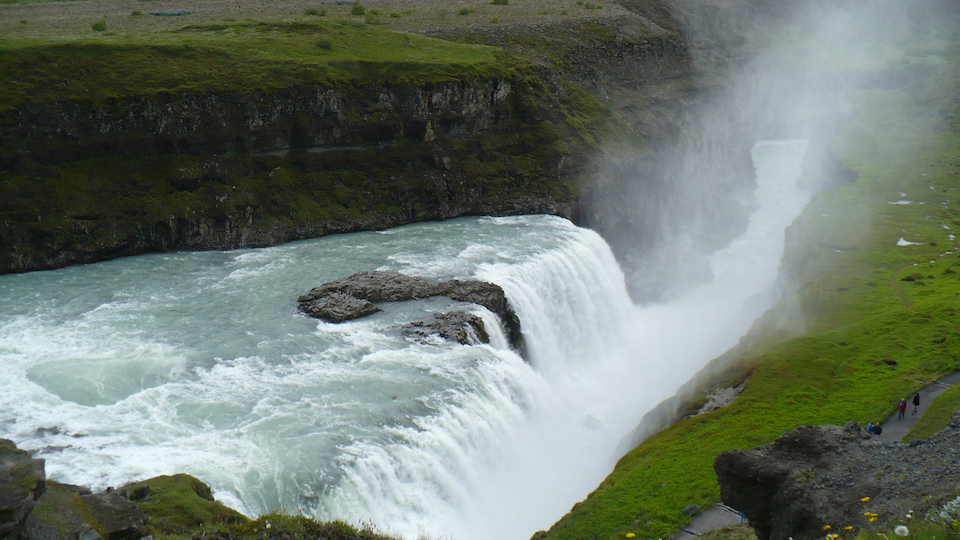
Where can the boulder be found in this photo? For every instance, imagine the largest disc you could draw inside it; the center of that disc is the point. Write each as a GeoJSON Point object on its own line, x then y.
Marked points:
{"type": "Point", "coordinates": [338, 307]}
{"type": "Point", "coordinates": [353, 297]}
{"type": "Point", "coordinates": [458, 326]}
{"type": "Point", "coordinates": [815, 476]}
{"type": "Point", "coordinates": [117, 518]}
{"type": "Point", "coordinates": [67, 512]}
{"type": "Point", "coordinates": [375, 286]}
{"type": "Point", "coordinates": [56, 515]}
{"type": "Point", "coordinates": [22, 482]}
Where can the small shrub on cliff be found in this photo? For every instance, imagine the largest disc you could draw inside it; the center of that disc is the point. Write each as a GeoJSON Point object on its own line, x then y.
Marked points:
{"type": "Point", "coordinates": [465, 11]}
{"type": "Point", "coordinates": [500, 2]}
{"type": "Point", "coordinates": [311, 11]}
{"type": "Point", "coordinates": [396, 15]}
{"type": "Point", "coordinates": [358, 9]}
{"type": "Point", "coordinates": [99, 26]}
{"type": "Point", "coordinates": [136, 13]}
{"type": "Point", "coordinates": [325, 44]}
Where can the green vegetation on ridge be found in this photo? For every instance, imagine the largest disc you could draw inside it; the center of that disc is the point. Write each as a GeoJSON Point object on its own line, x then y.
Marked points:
{"type": "Point", "coordinates": [236, 57]}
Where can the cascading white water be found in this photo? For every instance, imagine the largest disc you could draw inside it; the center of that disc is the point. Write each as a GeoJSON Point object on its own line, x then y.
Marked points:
{"type": "Point", "coordinates": [198, 363]}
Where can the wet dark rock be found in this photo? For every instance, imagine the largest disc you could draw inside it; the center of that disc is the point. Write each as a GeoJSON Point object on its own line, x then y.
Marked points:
{"type": "Point", "coordinates": [458, 326]}
{"type": "Point", "coordinates": [338, 307]}
{"type": "Point", "coordinates": [136, 493]}
{"type": "Point", "coordinates": [86, 532]}
{"type": "Point", "coordinates": [375, 286]}
{"type": "Point", "coordinates": [353, 296]}
{"type": "Point", "coordinates": [67, 512]}
{"type": "Point", "coordinates": [814, 476]}
{"type": "Point", "coordinates": [22, 482]}
{"type": "Point", "coordinates": [117, 517]}
{"type": "Point", "coordinates": [56, 516]}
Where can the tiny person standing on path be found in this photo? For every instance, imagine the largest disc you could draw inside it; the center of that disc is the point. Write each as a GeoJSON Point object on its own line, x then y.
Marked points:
{"type": "Point", "coordinates": [902, 407]}
{"type": "Point", "coordinates": [916, 403]}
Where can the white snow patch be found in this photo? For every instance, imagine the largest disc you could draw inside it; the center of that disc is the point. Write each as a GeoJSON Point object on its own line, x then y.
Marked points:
{"type": "Point", "coordinates": [903, 242]}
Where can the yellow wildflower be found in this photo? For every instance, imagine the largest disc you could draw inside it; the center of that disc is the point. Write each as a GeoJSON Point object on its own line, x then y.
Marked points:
{"type": "Point", "coordinates": [826, 527]}
{"type": "Point", "coordinates": [848, 528]}
{"type": "Point", "coordinates": [872, 519]}
{"type": "Point", "coordinates": [631, 535]}
{"type": "Point", "coordinates": [865, 499]}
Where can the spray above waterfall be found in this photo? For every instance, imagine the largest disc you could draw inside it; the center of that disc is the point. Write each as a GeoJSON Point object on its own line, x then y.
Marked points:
{"type": "Point", "coordinates": [780, 71]}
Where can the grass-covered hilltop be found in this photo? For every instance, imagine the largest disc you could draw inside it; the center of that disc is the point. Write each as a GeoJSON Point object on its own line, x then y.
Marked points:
{"type": "Point", "coordinates": [129, 126]}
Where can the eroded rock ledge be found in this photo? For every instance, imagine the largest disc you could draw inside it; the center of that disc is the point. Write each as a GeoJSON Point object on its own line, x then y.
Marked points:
{"type": "Point", "coordinates": [814, 476]}
{"type": "Point", "coordinates": [353, 297]}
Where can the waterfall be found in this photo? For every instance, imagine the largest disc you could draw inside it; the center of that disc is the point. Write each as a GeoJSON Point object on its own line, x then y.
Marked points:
{"type": "Point", "coordinates": [199, 363]}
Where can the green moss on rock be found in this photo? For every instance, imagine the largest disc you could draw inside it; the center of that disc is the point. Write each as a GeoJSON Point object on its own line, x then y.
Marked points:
{"type": "Point", "coordinates": [179, 504]}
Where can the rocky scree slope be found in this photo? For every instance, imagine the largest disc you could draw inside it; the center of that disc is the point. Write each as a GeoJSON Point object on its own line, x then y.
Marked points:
{"type": "Point", "coordinates": [818, 476]}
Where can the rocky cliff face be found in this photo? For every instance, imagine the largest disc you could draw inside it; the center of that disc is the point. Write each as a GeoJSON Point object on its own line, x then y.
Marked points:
{"type": "Point", "coordinates": [22, 481]}
{"type": "Point", "coordinates": [818, 476]}
{"type": "Point", "coordinates": [311, 119]}
{"type": "Point", "coordinates": [89, 181]}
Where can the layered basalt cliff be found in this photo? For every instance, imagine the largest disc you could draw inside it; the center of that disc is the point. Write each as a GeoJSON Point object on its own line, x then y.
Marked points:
{"type": "Point", "coordinates": [307, 119]}
{"type": "Point", "coordinates": [90, 181]}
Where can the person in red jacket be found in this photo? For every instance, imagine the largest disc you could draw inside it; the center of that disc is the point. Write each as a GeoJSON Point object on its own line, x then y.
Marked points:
{"type": "Point", "coordinates": [902, 407]}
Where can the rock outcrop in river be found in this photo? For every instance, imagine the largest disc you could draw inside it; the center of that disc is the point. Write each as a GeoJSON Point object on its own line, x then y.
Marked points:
{"type": "Point", "coordinates": [353, 297]}
{"type": "Point", "coordinates": [815, 476]}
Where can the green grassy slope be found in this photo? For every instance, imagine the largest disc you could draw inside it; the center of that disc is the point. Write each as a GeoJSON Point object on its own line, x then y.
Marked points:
{"type": "Point", "coordinates": [937, 415]}
{"type": "Point", "coordinates": [234, 57]}
{"type": "Point", "coordinates": [879, 319]}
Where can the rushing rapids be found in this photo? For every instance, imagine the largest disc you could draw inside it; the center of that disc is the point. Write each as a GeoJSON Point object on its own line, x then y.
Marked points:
{"type": "Point", "coordinates": [200, 363]}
